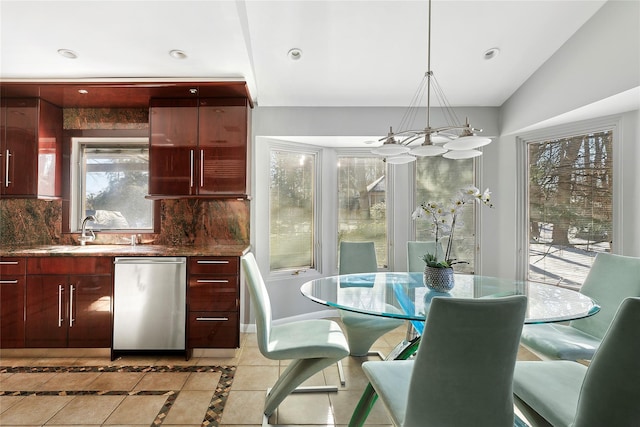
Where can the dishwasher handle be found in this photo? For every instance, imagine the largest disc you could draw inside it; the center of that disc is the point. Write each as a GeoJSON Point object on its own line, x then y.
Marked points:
{"type": "Point", "coordinates": [148, 261]}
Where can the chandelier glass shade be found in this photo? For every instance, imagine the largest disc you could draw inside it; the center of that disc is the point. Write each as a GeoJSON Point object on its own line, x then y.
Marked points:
{"type": "Point", "coordinates": [453, 141]}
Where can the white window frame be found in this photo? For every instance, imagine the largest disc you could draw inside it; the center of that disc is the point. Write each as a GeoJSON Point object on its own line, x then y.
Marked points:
{"type": "Point", "coordinates": [389, 201]}
{"type": "Point", "coordinates": [76, 175]}
{"type": "Point", "coordinates": [613, 124]}
{"type": "Point", "coordinates": [263, 205]}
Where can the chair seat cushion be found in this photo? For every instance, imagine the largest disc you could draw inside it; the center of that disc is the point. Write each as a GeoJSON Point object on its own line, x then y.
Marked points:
{"type": "Point", "coordinates": [390, 380]}
{"type": "Point", "coordinates": [307, 339]}
{"type": "Point", "coordinates": [551, 388]}
{"type": "Point", "coordinates": [560, 341]}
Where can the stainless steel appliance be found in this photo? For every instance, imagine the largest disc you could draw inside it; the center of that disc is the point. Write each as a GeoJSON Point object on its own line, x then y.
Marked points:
{"type": "Point", "coordinates": [149, 303]}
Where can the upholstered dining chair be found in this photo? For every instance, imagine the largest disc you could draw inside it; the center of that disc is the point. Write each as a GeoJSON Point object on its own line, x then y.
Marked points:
{"type": "Point", "coordinates": [462, 373]}
{"type": "Point", "coordinates": [415, 252]}
{"type": "Point", "coordinates": [604, 393]}
{"type": "Point", "coordinates": [311, 345]}
{"type": "Point", "coordinates": [611, 279]}
{"type": "Point", "coordinates": [362, 330]}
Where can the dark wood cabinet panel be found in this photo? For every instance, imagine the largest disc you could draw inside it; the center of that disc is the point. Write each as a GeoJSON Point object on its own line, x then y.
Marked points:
{"type": "Point", "coordinates": [218, 293]}
{"type": "Point", "coordinates": [12, 291]}
{"type": "Point", "coordinates": [30, 148]}
{"type": "Point", "coordinates": [213, 302]}
{"type": "Point", "coordinates": [213, 330]}
{"type": "Point", "coordinates": [90, 311]}
{"type": "Point", "coordinates": [222, 139]}
{"type": "Point", "coordinates": [72, 309]}
{"type": "Point", "coordinates": [47, 305]}
{"type": "Point", "coordinates": [198, 147]}
{"type": "Point", "coordinates": [214, 265]}
{"type": "Point", "coordinates": [70, 265]}
{"type": "Point", "coordinates": [173, 143]}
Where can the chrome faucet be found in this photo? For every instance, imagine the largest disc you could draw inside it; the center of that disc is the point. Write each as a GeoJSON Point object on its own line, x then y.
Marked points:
{"type": "Point", "coordinates": [83, 237]}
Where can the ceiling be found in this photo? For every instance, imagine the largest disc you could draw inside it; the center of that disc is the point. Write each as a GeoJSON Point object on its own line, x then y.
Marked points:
{"type": "Point", "coordinates": [354, 53]}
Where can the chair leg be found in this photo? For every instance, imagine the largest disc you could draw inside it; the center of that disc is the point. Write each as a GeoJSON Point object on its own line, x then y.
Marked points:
{"type": "Point", "coordinates": [343, 381]}
{"type": "Point", "coordinates": [310, 389]}
{"type": "Point", "coordinates": [296, 373]}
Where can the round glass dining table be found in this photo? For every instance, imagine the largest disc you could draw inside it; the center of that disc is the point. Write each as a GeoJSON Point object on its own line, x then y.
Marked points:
{"type": "Point", "coordinates": [404, 296]}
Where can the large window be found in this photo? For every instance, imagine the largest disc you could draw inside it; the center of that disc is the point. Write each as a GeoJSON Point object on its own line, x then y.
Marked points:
{"type": "Point", "coordinates": [292, 220]}
{"type": "Point", "coordinates": [439, 180]}
{"type": "Point", "coordinates": [110, 181]}
{"type": "Point", "coordinates": [362, 196]}
{"type": "Point", "coordinates": [570, 206]}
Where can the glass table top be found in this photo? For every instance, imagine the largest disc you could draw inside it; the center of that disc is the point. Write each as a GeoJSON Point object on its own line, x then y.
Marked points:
{"type": "Point", "coordinates": [404, 295]}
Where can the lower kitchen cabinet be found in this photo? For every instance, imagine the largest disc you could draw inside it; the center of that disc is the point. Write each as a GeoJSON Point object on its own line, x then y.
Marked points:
{"type": "Point", "coordinates": [69, 310]}
{"type": "Point", "coordinates": [213, 300]}
{"type": "Point", "coordinates": [12, 287]}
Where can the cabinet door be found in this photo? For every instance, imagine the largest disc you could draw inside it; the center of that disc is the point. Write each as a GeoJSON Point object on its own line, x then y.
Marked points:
{"type": "Point", "coordinates": [222, 145]}
{"type": "Point", "coordinates": [12, 311]}
{"type": "Point", "coordinates": [172, 157]}
{"type": "Point", "coordinates": [46, 311]}
{"type": "Point", "coordinates": [213, 330]}
{"type": "Point", "coordinates": [19, 153]}
{"type": "Point", "coordinates": [89, 311]}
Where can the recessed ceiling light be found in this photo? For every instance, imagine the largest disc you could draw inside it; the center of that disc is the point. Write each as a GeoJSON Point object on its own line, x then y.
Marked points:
{"type": "Point", "coordinates": [295, 54]}
{"type": "Point", "coordinates": [491, 53]}
{"type": "Point", "coordinates": [177, 54]}
{"type": "Point", "coordinates": [67, 53]}
{"type": "Point", "coordinates": [83, 91]}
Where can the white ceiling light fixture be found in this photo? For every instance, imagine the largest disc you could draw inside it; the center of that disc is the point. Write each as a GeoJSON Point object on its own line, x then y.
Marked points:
{"type": "Point", "coordinates": [67, 53]}
{"type": "Point", "coordinates": [177, 54]}
{"type": "Point", "coordinates": [294, 54]}
{"type": "Point", "coordinates": [460, 140]}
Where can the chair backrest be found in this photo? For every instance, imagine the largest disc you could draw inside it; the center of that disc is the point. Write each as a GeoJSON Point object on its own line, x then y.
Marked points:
{"type": "Point", "coordinates": [358, 257]}
{"type": "Point", "coordinates": [415, 252]}
{"type": "Point", "coordinates": [610, 394]}
{"type": "Point", "coordinates": [463, 370]}
{"type": "Point", "coordinates": [260, 300]}
{"type": "Point", "coordinates": [611, 279]}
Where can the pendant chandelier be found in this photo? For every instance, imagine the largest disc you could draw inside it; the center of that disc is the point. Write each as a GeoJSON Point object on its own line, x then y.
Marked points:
{"type": "Point", "coordinates": [453, 141]}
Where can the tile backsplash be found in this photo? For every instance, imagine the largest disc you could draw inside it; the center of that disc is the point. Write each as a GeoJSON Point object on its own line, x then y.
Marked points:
{"type": "Point", "coordinates": [184, 222]}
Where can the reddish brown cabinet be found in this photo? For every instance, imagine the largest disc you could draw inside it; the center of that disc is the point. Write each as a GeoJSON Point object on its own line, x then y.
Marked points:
{"type": "Point", "coordinates": [213, 302]}
{"type": "Point", "coordinates": [68, 302]}
{"type": "Point", "coordinates": [30, 148]}
{"type": "Point", "coordinates": [198, 147]}
{"type": "Point", "coordinates": [12, 288]}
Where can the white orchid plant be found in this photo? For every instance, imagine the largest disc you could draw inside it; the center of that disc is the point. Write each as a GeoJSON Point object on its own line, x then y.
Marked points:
{"type": "Point", "coordinates": [443, 221]}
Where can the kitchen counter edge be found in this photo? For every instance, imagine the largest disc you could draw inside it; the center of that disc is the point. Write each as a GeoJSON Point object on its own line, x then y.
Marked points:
{"type": "Point", "coordinates": [125, 250]}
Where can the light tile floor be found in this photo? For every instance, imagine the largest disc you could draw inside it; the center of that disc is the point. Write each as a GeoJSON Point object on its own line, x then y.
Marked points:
{"type": "Point", "coordinates": [147, 398]}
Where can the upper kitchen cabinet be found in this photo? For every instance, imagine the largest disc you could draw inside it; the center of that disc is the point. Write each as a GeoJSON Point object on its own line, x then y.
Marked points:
{"type": "Point", "coordinates": [30, 148]}
{"type": "Point", "coordinates": [199, 147]}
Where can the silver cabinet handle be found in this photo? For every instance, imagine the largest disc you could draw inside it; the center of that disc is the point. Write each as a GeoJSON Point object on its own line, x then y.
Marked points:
{"type": "Point", "coordinates": [211, 281]}
{"type": "Point", "coordinates": [8, 262]}
{"type": "Point", "coordinates": [6, 170]}
{"type": "Point", "coordinates": [60, 319]}
{"type": "Point", "coordinates": [201, 168]}
{"type": "Point", "coordinates": [212, 319]}
{"type": "Point", "coordinates": [71, 319]}
{"type": "Point", "coordinates": [211, 262]}
{"type": "Point", "coordinates": [8, 282]}
{"type": "Point", "coordinates": [191, 168]}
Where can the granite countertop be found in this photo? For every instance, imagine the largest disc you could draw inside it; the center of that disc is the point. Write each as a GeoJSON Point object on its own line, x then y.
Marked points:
{"type": "Point", "coordinates": [126, 250]}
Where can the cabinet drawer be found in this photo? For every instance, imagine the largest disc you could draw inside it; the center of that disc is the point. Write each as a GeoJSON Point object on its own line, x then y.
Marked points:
{"type": "Point", "coordinates": [12, 266]}
{"type": "Point", "coordinates": [70, 265]}
{"type": "Point", "coordinates": [207, 293]}
{"type": "Point", "coordinates": [213, 265]}
{"type": "Point", "coordinates": [218, 329]}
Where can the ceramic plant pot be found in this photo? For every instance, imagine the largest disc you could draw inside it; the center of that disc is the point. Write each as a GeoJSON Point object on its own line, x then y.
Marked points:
{"type": "Point", "coordinates": [438, 279]}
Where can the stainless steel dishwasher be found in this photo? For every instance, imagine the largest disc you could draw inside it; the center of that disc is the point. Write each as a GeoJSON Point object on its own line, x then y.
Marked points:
{"type": "Point", "coordinates": [149, 304]}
